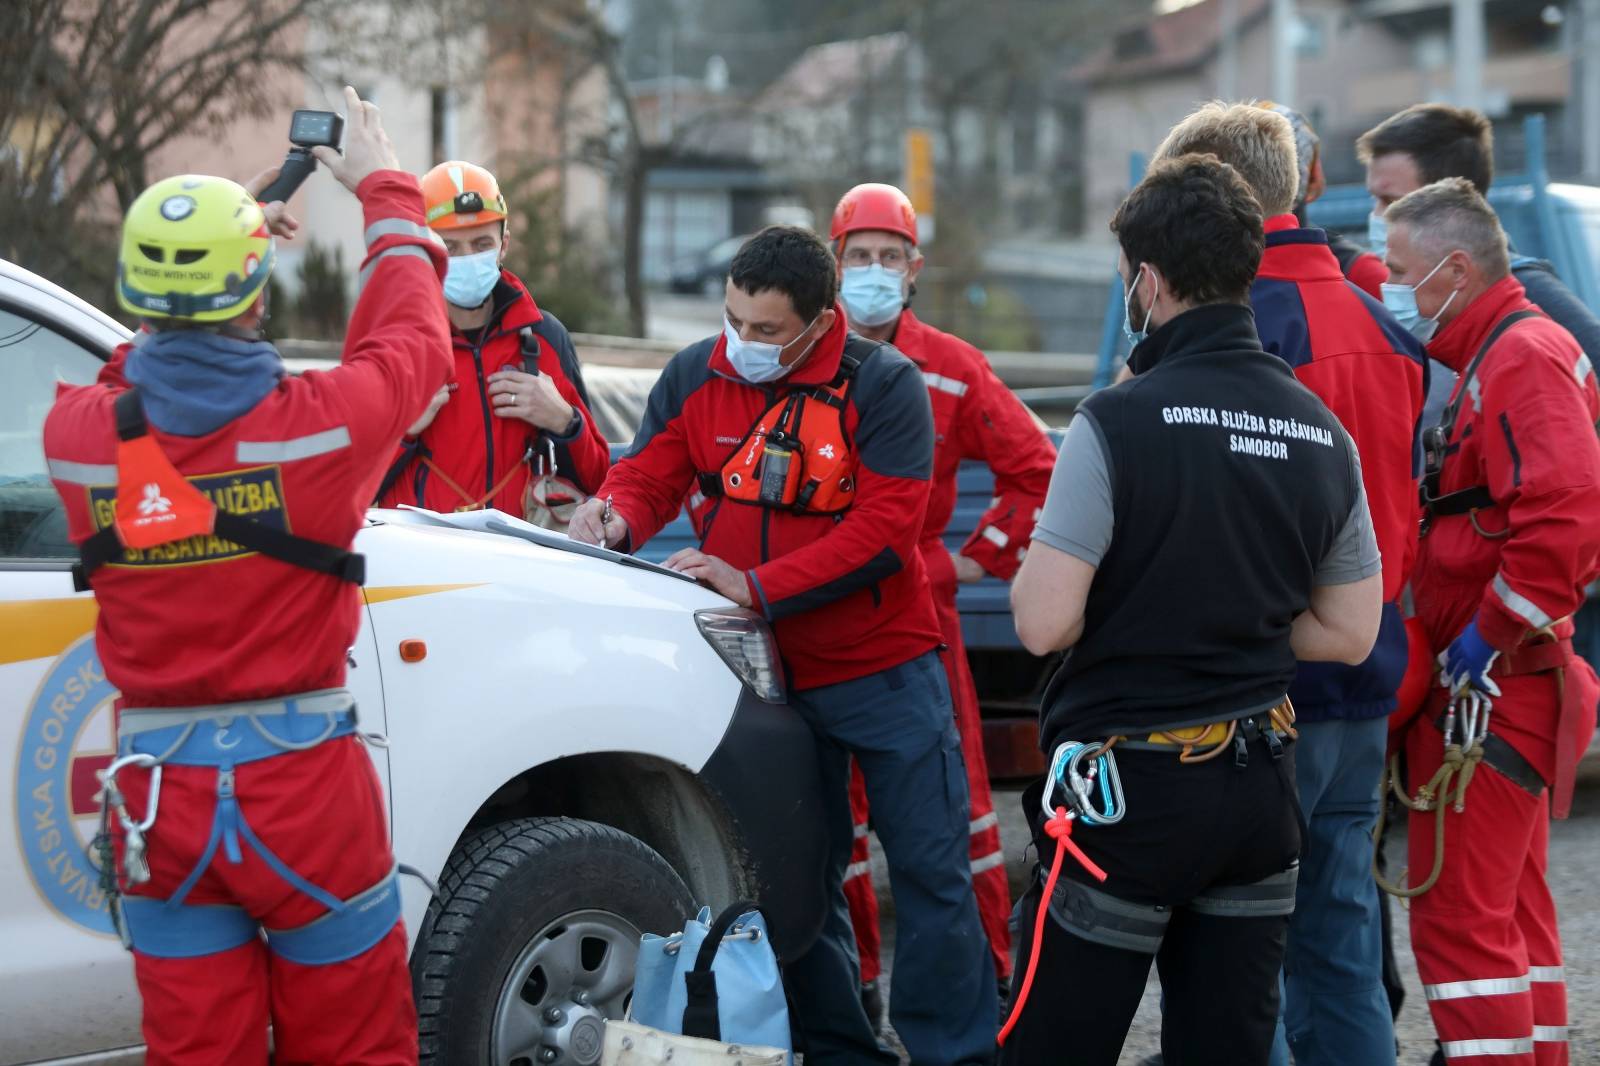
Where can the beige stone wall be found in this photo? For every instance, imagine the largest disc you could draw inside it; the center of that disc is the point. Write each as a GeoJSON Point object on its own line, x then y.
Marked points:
{"type": "Point", "coordinates": [501, 112]}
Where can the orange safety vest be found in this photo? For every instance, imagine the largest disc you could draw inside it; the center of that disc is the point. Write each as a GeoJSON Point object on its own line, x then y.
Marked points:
{"type": "Point", "coordinates": [798, 456]}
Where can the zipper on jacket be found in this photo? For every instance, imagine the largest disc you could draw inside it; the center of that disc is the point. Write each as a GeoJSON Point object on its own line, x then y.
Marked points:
{"type": "Point", "coordinates": [488, 419]}
{"type": "Point", "coordinates": [770, 397]}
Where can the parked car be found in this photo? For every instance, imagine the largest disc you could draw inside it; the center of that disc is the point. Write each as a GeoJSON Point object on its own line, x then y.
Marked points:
{"type": "Point", "coordinates": [707, 272]}
{"type": "Point", "coordinates": [588, 748]}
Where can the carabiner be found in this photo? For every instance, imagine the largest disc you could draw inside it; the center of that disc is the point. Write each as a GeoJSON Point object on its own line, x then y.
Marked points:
{"type": "Point", "coordinates": [1081, 782]}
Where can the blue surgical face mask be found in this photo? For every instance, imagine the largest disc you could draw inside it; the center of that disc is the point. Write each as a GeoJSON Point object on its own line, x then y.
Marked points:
{"type": "Point", "coordinates": [470, 279]}
{"type": "Point", "coordinates": [1377, 235]}
{"type": "Point", "coordinates": [757, 361]}
{"type": "Point", "coordinates": [873, 295]}
{"type": "Point", "coordinates": [1136, 336]}
{"type": "Point", "coordinates": [1401, 300]}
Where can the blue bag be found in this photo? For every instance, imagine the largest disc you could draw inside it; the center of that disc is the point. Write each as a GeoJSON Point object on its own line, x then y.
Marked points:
{"type": "Point", "coordinates": [717, 980]}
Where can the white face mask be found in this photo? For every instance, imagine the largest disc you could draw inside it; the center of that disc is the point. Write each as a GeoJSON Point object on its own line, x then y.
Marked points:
{"type": "Point", "coordinates": [757, 361]}
{"type": "Point", "coordinates": [873, 295]}
{"type": "Point", "coordinates": [1136, 336]}
{"type": "Point", "coordinates": [1401, 300]}
{"type": "Point", "coordinates": [1377, 235]}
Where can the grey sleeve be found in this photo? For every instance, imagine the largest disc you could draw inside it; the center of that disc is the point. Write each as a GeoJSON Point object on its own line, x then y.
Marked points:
{"type": "Point", "coordinates": [1354, 554]}
{"type": "Point", "coordinates": [1077, 516]}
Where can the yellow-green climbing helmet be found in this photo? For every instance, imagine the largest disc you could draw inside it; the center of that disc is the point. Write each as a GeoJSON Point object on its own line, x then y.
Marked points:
{"type": "Point", "coordinates": [195, 248]}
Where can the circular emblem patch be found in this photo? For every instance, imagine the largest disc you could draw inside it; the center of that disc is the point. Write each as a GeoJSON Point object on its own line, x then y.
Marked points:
{"type": "Point", "coordinates": [56, 786]}
{"type": "Point", "coordinates": [177, 208]}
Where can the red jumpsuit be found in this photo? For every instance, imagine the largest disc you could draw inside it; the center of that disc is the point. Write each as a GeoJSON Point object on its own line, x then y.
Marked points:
{"type": "Point", "coordinates": [975, 417]}
{"type": "Point", "coordinates": [1487, 946]}
{"type": "Point", "coordinates": [305, 459]}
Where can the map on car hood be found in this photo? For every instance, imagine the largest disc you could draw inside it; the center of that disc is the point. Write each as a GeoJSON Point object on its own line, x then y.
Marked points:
{"type": "Point", "coordinates": [493, 521]}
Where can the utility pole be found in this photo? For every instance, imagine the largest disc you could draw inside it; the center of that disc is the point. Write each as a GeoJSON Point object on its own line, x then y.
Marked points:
{"type": "Point", "coordinates": [1589, 106]}
{"type": "Point", "coordinates": [1283, 52]}
{"type": "Point", "coordinates": [1466, 32]}
{"type": "Point", "coordinates": [1228, 51]}
{"type": "Point", "coordinates": [667, 101]}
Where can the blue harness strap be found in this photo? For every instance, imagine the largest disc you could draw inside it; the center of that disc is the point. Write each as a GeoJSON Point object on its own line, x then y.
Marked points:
{"type": "Point", "coordinates": [344, 932]}
{"type": "Point", "coordinates": [171, 928]}
{"type": "Point", "coordinates": [156, 928]}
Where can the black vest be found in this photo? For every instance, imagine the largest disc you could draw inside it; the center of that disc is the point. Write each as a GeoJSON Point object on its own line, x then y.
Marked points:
{"type": "Point", "coordinates": [1229, 483]}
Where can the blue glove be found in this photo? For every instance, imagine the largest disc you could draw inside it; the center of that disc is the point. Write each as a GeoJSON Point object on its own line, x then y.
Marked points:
{"type": "Point", "coordinates": [1467, 661]}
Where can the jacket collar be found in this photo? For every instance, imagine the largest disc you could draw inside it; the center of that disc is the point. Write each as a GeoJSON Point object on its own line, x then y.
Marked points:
{"type": "Point", "coordinates": [513, 308]}
{"type": "Point", "coordinates": [819, 368]}
{"type": "Point", "coordinates": [1461, 338]}
{"type": "Point", "coordinates": [1211, 328]}
{"type": "Point", "coordinates": [910, 337]}
{"type": "Point", "coordinates": [1297, 253]}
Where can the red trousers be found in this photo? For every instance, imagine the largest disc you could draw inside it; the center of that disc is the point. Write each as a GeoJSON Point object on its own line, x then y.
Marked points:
{"type": "Point", "coordinates": [988, 860]}
{"type": "Point", "coordinates": [1487, 946]}
{"type": "Point", "coordinates": [320, 811]}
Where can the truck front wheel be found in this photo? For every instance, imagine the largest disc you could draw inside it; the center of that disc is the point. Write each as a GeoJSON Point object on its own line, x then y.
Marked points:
{"type": "Point", "coordinates": [533, 942]}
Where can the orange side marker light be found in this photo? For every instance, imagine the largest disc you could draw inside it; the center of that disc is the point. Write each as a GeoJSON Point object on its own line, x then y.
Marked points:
{"type": "Point", "coordinates": [413, 651]}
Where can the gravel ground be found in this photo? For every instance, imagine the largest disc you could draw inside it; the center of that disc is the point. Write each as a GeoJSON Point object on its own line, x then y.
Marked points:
{"type": "Point", "coordinates": [1575, 877]}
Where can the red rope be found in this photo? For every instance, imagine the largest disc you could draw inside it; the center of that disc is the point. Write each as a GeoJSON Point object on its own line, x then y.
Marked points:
{"type": "Point", "coordinates": [1059, 828]}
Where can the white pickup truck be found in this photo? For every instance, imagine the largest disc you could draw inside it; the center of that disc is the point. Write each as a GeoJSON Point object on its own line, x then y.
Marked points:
{"type": "Point", "coordinates": [590, 748]}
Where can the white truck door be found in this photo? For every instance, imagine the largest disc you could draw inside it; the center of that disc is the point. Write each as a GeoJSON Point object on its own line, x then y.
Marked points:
{"type": "Point", "coordinates": [66, 985]}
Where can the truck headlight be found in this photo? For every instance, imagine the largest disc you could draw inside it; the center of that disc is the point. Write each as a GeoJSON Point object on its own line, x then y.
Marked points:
{"type": "Point", "coordinates": [745, 642]}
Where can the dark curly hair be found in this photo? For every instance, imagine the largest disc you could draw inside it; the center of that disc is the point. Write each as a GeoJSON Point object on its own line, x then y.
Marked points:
{"type": "Point", "coordinates": [792, 260]}
{"type": "Point", "coordinates": [1195, 219]}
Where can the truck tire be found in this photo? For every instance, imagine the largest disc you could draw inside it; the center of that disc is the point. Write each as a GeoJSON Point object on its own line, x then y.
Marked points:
{"type": "Point", "coordinates": [532, 942]}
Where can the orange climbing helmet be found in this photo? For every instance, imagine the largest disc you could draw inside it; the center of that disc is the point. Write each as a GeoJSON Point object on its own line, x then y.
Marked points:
{"type": "Point", "coordinates": [457, 195]}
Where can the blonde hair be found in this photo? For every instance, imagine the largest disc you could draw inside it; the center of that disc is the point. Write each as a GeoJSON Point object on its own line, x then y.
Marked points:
{"type": "Point", "coordinates": [1256, 142]}
{"type": "Point", "coordinates": [1448, 216]}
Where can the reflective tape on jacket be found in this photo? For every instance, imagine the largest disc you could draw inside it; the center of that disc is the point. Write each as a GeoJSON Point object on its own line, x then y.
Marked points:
{"type": "Point", "coordinates": [398, 227]}
{"type": "Point", "coordinates": [287, 451]}
{"type": "Point", "coordinates": [83, 473]}
{"type": "Point", "coordinates": [1519, 604]}
{"type": "Point", "coordinates": [399, 249]}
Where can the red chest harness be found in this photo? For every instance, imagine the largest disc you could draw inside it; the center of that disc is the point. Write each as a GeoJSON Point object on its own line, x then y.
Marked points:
{"type": "Point", "coordinates": [156, 504]}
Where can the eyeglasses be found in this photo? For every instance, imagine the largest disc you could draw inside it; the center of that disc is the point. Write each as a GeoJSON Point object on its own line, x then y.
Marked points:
{"type": "Point", "coordinates": [889, 258]}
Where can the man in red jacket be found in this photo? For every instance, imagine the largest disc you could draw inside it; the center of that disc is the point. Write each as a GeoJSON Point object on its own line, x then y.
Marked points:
{"type": "Point", "coordinates": [515, 414]}
{"type": "Point", "coordinates": [975, 416]}
{"type": "Point", "coordinates": [266, 894]}
{"type": "Point", "coordinates": [1512, 495]}
{"type": "Point", "coordinates": [817, 445]}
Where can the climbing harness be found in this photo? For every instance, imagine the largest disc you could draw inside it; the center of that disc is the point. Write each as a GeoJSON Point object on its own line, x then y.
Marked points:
{"type": "Point", "coordinates": [1469, 710]}
{"type": "Point", "coordinates": [1087, 778]}
{"type": "Point", "coordinates": [225, 737]}
{"type": "Point", "coordinates": [1436, 446]}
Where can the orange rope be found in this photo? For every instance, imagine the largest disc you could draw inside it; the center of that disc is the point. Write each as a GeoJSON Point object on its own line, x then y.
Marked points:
{"type": "Point", "coordinates": [471, 504]}
{"type": "Point", "coordinates": [1059, 829]}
